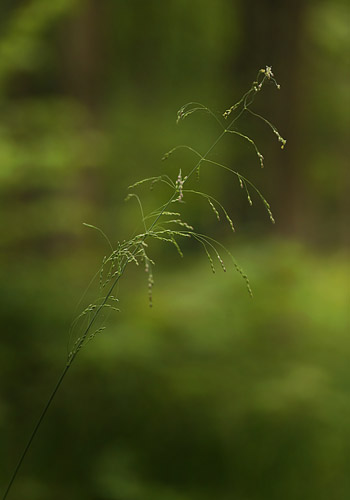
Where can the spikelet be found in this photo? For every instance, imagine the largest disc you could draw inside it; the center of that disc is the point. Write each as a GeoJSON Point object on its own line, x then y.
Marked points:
{"type": "Point", "coordinates": [209, 258]}
{"type": "Point", "coordinates": [228, 218]}
{"type": "Point", "coordinates": [214, 209]}
{"type": "Point", "coordinates": [150, 288]}
{"type": "Point", "coordinates": [221, 261]}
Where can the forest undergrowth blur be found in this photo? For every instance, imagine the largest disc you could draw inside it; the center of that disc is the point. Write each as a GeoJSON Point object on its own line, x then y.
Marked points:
{"type": "Point", "coordinates": [210, 393]}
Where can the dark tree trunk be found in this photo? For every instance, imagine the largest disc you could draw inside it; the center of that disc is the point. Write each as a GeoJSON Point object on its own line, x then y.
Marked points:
{"type": "Point", "coordinates": [273, 34]}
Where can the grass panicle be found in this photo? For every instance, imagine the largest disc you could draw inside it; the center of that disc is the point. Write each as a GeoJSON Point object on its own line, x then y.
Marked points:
{"type": "Point", "coordinates": [166, 225]}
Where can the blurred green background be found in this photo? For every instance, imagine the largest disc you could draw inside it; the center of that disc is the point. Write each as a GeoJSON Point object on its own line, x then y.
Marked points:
{"type": "Point", "coordinates": [209, 394]}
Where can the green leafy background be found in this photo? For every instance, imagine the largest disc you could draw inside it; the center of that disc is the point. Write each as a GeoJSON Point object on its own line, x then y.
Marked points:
{"type": "Point", "coordinates": [210, 393]}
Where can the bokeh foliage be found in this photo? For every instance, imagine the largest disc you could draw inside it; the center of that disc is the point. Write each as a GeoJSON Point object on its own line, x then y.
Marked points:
{"type": "Point", "coordinates": [210, 393]}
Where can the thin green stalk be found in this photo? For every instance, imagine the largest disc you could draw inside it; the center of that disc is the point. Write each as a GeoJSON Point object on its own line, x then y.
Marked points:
{"type": "Point", "coordinates": [35, 430]}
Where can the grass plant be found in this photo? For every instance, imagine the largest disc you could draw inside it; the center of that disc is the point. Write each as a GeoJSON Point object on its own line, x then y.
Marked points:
{"type": "Point", "coordinates": [165, 224]}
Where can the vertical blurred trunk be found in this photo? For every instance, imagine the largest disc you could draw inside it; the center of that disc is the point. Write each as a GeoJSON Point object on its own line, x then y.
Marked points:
{"type": "Point", "coordinates": [83, 54]}
{"type": "Point", "coordinates": [272, 34]}
{"type": "Point", "coordinates": [83, 77]}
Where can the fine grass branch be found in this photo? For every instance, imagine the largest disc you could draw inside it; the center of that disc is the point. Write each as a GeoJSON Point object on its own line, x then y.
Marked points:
{"type": "Point", "coordinates": [166, 225]}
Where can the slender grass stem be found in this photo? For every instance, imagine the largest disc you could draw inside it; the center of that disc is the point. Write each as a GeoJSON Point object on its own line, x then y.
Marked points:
{"type": "Point", "coordinates": [35, 430]}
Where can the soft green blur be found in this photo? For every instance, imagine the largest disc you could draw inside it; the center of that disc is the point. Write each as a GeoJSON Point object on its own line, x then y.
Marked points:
{"type": "Point", "coordinates": [209, 394]}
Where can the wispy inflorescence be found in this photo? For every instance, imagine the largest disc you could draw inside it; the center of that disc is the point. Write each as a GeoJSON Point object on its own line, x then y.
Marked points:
{"type": "Point", "coordinates": [168, 226]}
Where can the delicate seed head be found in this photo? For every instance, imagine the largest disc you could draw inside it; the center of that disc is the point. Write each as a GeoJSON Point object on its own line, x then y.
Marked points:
{"type": "Point", "coordinates": [268, 72]}
{"type": "Point", "coordinates": [261, 159]}
{"type": "Point", "coordinates": [180, 115]}
{"type": "Point", "coordinates": [230, 221]}
{"type": "Point", "coordinates": [222, 263]}
{"type": "Point", "coordinates": [214, 209]}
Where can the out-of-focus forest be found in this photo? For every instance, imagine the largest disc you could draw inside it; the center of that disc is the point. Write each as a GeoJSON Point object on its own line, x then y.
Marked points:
{"type": "Point", "coordinates": [209, 394]}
